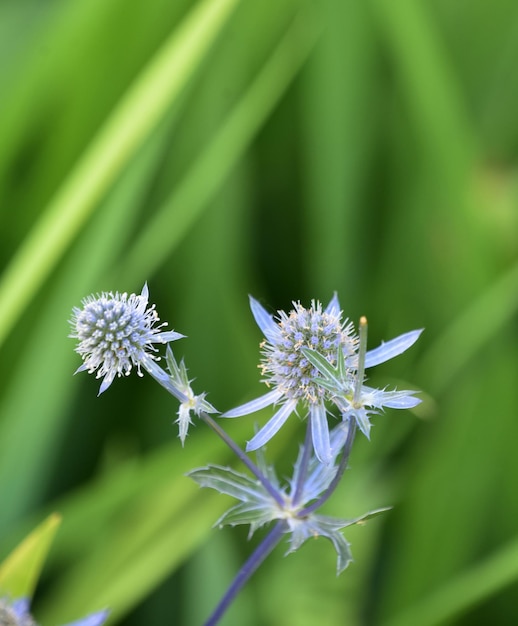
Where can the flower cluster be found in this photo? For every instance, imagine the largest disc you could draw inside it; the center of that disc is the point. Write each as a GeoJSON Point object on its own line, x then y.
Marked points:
{"type": "Point", "coordinates": [313, 362]}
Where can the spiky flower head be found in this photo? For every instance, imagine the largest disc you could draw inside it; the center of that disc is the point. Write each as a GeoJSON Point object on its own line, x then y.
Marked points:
{"type": "Point", "coordinates": [117, 332]}
{"type": "Point", "coordinates": [290, 374]}
{"type": "Point", "coordinates": [284, 365]}
{"type": "Point", "coordinates": [298, 347]}
{"type": "Point", "coordinates": [16, 613]}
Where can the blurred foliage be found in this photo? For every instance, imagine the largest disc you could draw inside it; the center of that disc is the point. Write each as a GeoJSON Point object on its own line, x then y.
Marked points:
{"type": "Point", "coordinates": [286, 149]}
{"type": "Point", "coordinates": [20, 570]}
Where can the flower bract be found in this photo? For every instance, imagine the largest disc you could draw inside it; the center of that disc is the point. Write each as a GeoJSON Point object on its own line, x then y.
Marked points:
{"type": "Point", "coordinates": [257, 507]}
{"type": "Point", "coordinates": [192, 403]}
{"type": "Point", "coordinates": [354, 399]}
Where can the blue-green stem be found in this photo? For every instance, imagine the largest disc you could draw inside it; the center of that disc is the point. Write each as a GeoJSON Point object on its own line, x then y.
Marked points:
{"type": "Point", "coordinates": [250, 566]}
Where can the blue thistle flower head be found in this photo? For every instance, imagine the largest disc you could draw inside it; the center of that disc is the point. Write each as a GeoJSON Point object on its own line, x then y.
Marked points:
{"type": "Point", "coordinates": [117, 332]}
{"type": "Point", "coordinates": [296, 380]}
{"type": "Point", "coordinates": [284, 365]}
{"type": "Point", "coordinates": [292, 377]}
{"type": "Point", "coordinates": [16, 613]}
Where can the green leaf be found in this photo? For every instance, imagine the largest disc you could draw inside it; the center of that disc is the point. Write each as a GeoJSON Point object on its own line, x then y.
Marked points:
{"type": "Point", "coordinates": [470, 587]}
{"type": "Point", "coordinates": [20, 571]}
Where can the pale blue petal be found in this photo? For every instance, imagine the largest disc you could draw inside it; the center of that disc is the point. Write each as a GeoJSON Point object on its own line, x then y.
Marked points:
{"type": "Point", "coordinates": [391, 348]}
{"type": "Point", "coordinates": [403, 402]}
{"type": "Point", "coordinates": [107, 381]}
{"type": "Point", "coordinates": [265, 321]}
{"type": "Point", "coordinates": [319, 475]}
{"type": "Point", "coordinates": [96, 619]}
{"type": "Point", "coordinates": [338, 437]}
{"type": "Point", "coordinates": [320, 434]}
{"type": "Point", "coordinates": [396, 399]}
{"type": "Point", "coordinates": [169, 335]}
{"type": "Point", "coordinates": [142, 300]}
{"type": "Point", "coordinates": [333, 308]}
{"type": "Point", "coordinates": [255, 405]}
{"type": "Point", "coordinates": [20, 607]}
{"type": "Point", "coordinates": [272, 426]}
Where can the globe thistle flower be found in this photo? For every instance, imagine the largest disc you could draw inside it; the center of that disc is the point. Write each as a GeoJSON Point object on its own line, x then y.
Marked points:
{"type": "Point", "coordinates": [16, 613]}
{"type": "Point", "coordinates": [117, 332]}
{"type": "Point", "coordinates": [258, 507]}
{"type": "Point", "coordinates": [291, 376]}
{"type": "Point", "coordinates": [294, 379]}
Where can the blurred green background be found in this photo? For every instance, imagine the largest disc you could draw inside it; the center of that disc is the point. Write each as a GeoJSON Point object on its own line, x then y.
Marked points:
{"type": "Point", "coordinates": [285, 149]}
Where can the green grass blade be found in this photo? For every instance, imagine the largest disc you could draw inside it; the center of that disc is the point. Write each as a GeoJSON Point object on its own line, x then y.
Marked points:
{"type": "Point", "coordinates": [491, 311]}
{"type": "Point", "coordinates": [20, 571]}
{"type": "Point", "coordinates": [183, 207]}
{"type": "Point", "coordinates": [44, 410]}
{"type": "Point", "coordinates": [133, 120]}
{"type": "Point", "coordinates": [465, 591]}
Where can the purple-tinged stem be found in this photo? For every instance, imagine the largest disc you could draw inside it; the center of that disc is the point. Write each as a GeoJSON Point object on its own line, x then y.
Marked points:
{"type": "Point", "coordinates": [249, 567]}
{"type": "Point", "coordinates": [243, 457]}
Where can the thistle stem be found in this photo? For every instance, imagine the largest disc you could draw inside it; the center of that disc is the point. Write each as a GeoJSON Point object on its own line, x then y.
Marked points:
{"type": "Point", "coordinates": [250, 566]}
{"type": "Point", "coordinates": [243, 457]}
{"type": "Point", "coordinates": [339, 472]}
